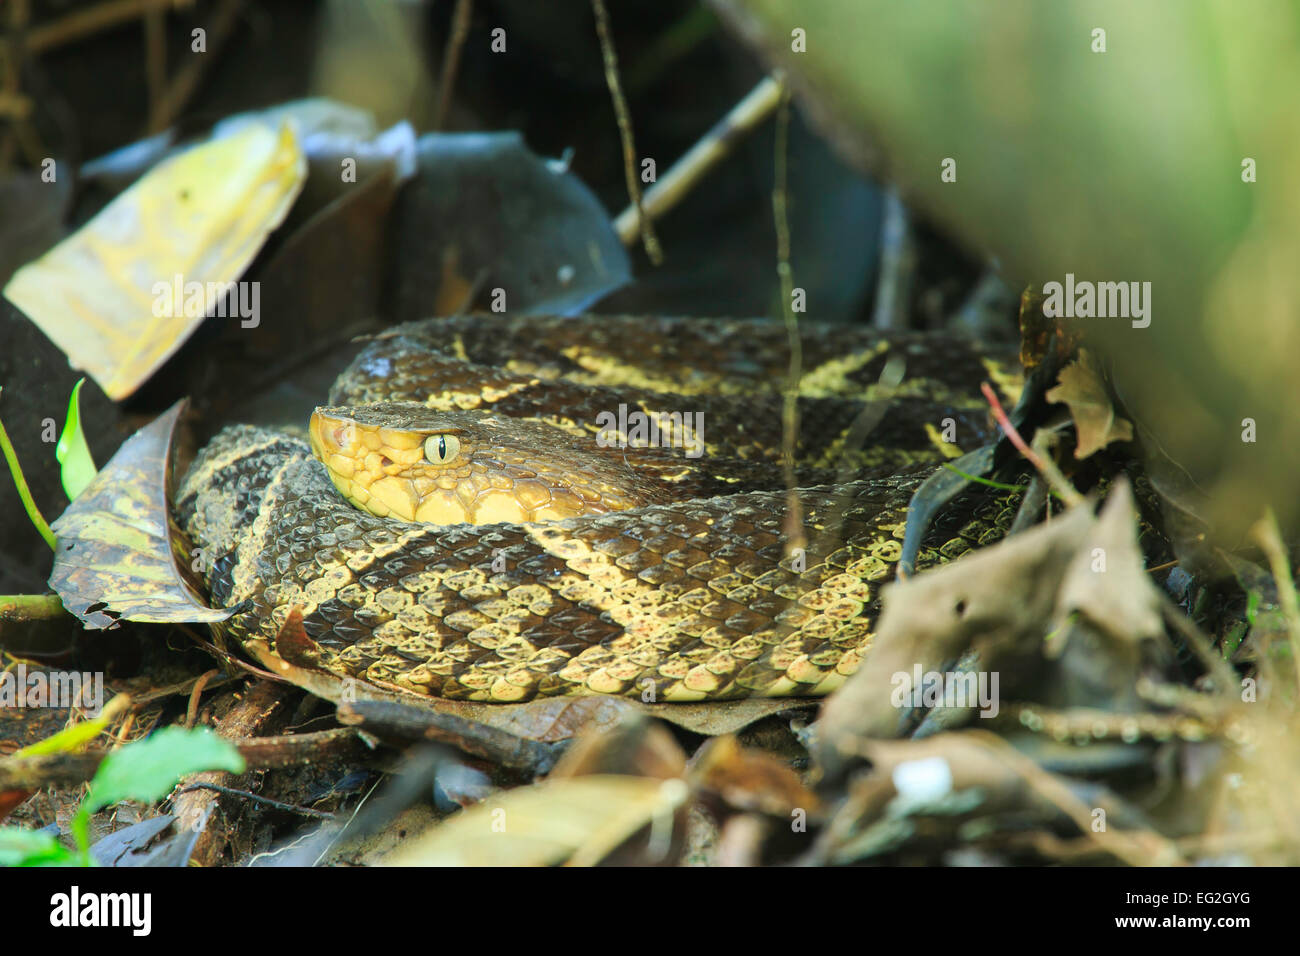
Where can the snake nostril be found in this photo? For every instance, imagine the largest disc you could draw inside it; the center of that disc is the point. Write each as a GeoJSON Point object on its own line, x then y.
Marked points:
{"type": "Point", "coordinates": [384, 461]}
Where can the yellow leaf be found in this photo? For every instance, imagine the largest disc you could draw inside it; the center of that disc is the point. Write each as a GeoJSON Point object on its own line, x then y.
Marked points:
{"type": "Point", "coordinates": [579, 820]}
{"type": "Point", "coordinates": [201, 216]}
{"type": "Point", "coordinates": [78, 736]}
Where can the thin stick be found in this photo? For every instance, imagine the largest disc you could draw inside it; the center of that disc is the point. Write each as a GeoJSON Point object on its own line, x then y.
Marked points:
{"type": "Point", "coordinates": [155, 44]}
{"type": "Point", "coordinates": [1044, 467]}
{"type": "Point", "coordinates": [794, 530]}
{"type": "Point", "coordinates": [24, 492]}
{"type": "Point", "coordinates": [1134, 847]}
{"type": "Point", "coordinates": [87, 22]}
{"type": "Point", "coordinates": [192, 712]}
{"type": "Point", "coordinates": [15, 106]}
{"type": "Point", "coordinates": [460, 18]}
{"type": "Point", "coordinates": [259, 753]}
{"type": "Point", "coordinates": [229, 658]}
{"type": "Point", "coordinates": [648, 238]}
{"type": "Point", "coordinates": [897, 265]}
{"type": "Point", "coordinates": [265, 801]}
{"type": "Point", "coordinates": [1225, 678]}
{"type": "Point", "coordinates": [187, 78]}
{"type": "Point", "coordinates": [1265, 531]}
{"type": "Point", "coordinates": [716, 145]}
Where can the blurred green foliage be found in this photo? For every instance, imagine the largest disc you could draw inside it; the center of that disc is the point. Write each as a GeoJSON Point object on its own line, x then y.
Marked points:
{"type": "Point", "coordinates": [1122, 165]}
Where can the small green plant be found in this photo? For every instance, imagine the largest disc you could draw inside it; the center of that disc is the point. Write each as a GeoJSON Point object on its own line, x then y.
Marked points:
{"type": "Point", "coordinates": [24, 492]}
{"type": "Point", "coordinates": [146, 770]}
{"type": "Point", "coordinates": [76, 466]}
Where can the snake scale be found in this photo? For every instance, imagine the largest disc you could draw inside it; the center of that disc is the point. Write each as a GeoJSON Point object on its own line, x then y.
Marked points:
{"type": "Point", "coordinates": [645, 554]}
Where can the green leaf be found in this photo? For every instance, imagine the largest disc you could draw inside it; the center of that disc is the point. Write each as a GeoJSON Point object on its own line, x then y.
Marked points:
{"type": "Point", "coordinates": [78, 468]}
{"type": "Point", "coordinates": [20, 847]}
{"type": "Point", "coordinates": [147, 770]}
{"type": "Point", "coordinates": [24, 493]}
{"type": "Point", "coordinates": [1252, 606]}
{"type": "Point", "coordinates": [73, 738]}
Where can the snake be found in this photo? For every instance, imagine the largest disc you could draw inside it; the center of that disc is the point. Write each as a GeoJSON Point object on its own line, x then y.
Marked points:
{"type": "Point", "coordinates": [498, 508]}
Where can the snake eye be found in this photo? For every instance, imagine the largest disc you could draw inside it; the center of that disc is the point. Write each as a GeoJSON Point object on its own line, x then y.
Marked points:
{"type": "Point", "coordinates": [440, 449]}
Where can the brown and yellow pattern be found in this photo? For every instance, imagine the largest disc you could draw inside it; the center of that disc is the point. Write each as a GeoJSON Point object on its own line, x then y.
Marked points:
{"type": "Point", "coordinates": [670, 578]}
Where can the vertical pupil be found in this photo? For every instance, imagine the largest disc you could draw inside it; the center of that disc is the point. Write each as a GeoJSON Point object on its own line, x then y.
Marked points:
{"type": "Point", "coordinates": [442, 446]}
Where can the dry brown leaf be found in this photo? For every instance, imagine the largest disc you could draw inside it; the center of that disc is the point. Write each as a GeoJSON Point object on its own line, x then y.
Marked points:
{"type": "Point", "coordinates": [748, 779]}
{"type": "Point", "coordinates": [1107, 582]}
{"type": "Point", "coordinates": [1082, 389]}
{"type": "Point", "coordinates": [637, 747]}
{"type": "Point", "coordinates": [989, 599]}
{"type": "Point", "coordinates": [1064, 612]}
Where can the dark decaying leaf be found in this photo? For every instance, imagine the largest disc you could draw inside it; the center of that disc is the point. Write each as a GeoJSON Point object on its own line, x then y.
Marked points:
{"type": "Point", "coordinates": [997, 593]}
{"type": "Point", "coordinates": [747, 779]}
{"type": "Point", "coordinates": [118, 553]}
{"type": "Point", "coordinates": [1106, 582]}
{"type": "Point", "coordinates": [1063, 613]}
{"type": "Point", "coordinates": [484, 212]}
{"type": "Point", "coordinates": [972, 788]}
{"type": "Point", "coordinates": [635, 747]}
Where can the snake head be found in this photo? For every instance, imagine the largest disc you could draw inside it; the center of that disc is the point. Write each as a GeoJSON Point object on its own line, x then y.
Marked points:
{"type": "Point", "coordinates": [405, 461]}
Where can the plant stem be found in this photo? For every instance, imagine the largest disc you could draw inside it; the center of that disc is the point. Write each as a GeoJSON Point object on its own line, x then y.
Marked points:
{"type": "Point", "coordinates": [23, 492]}
{"type": "Point", "coordinates": [19, 608]}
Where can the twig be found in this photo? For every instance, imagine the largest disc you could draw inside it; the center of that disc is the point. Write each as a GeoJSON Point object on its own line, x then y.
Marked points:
{"type": "Point", "coordinates": [266, 801]}
{"type": "Point", "coordinates": [897, 265]}
{"type": "Point", "coordinates": [24, 492]}
{"type": "Point", "coordinates": [648, 238]}
{"type": "Point", "coordinates": [794, 530]}
{"type": "Point", "coordinates": [1045, 466]}
{"type": "Point", "coordinates": [1265, 531]}
{"type": "Point", "coordinates": [259, 753]}
{"type": "Point", "coordinates": [230, 658]}
{"type": "Point", "coordinates": [155, 45]}
{"type": "Point", "coordinates": [460, 18]}
{"type": "Point", "coordinates": [1134, 847]}
{"type": "Point", "coordinates": [1163, 567]}
{"type": "Point", "coordinates": [11, 60]}
{"type": "Point", "coordinates": [88, 22]}
{"type": "Point", "coordinates": [700, 159]}
{"type": "Point", "coordinates": [15, 106]}
{"type": "Point", "coordinates": [1225, 678]}
{"type": "Point", "coordinates": [192, 711]}
{"type": "Point", "coordinates": [188, 77]}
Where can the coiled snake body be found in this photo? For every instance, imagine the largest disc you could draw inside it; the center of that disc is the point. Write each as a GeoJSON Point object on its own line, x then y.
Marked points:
{"type": "Point", "coordinates": [635, 533]}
